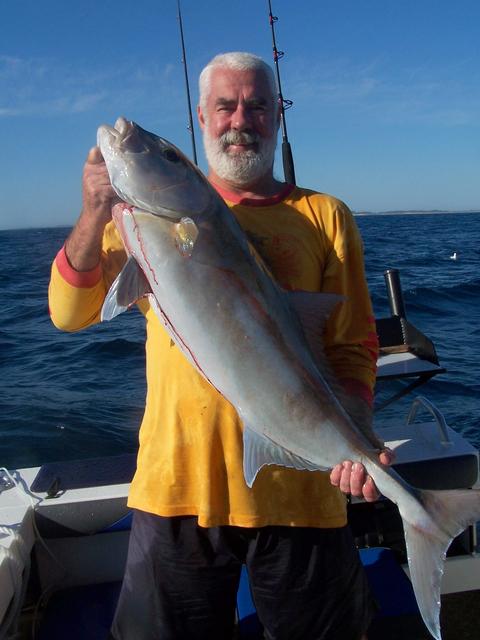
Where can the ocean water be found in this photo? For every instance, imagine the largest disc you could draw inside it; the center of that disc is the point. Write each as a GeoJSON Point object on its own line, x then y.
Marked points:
{"type": "Point", "coordinates": [69, 396]}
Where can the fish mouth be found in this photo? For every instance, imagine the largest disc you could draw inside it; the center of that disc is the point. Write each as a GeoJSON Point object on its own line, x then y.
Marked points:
{"type": "Point", "coordinates": [120, 128]}
{"type": "Point", "coordinates": [122, 125]}
{"type": "Point", "coordinates": [149, 173]}
{"type": "Point", "coordinates": [129, 137]}
{"type": "Point", "coordinates": [126, 137]}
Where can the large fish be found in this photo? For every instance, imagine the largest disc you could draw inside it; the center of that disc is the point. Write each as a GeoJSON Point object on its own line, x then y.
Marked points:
{"type": "Point", "coordinates": [253, 341]}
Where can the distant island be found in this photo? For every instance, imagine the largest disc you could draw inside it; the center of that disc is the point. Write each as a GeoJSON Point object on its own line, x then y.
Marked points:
{"type": "Point", "coordinates": [412, 212]}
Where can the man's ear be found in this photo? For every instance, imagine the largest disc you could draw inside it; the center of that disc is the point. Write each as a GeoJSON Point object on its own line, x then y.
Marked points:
{"type": "Point", "coordinates": [201, 119]}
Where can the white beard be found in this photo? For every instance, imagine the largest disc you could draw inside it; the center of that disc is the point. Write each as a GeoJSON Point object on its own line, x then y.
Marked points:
{"type": "Point", "coordinates": [242, 168]}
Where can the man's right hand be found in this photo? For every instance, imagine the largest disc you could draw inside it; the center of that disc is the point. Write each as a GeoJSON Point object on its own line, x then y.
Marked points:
{"type": "Point", "coordinates": [84, 245]}
{"type": "Point", "coordinates": [98, 193]}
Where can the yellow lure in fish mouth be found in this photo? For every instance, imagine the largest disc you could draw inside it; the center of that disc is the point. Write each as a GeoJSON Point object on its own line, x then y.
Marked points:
{"type": "Point", "coordinates": [186, 234]}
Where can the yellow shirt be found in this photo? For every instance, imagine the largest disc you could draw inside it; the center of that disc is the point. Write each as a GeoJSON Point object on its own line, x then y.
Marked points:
{"type": "Point", "coordinates": [190, 458]}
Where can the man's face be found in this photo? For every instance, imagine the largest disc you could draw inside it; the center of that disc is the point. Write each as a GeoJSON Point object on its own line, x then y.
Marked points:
{"type": "Point", "coordinates": [240, 125]}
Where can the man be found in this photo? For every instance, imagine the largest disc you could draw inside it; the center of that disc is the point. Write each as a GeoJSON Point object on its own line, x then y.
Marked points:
{"type": "Point", "coordinates": [195, 520]}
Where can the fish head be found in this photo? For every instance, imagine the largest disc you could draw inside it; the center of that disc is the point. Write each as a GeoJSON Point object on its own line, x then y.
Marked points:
{"type": "Point", "coordinates": [150, 173]}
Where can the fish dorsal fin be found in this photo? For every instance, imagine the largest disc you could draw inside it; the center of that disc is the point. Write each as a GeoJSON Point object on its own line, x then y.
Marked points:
{"type": "Point", "coordinates": [313, 310]}
{"type": "Point", "coordinates": [259, 451]}
{"type": "Point", "coordinates": [129, 286]}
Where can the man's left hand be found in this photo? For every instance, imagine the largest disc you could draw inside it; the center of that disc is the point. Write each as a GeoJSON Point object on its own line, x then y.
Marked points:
{"type": "Point", "coordinates": [352, 477]}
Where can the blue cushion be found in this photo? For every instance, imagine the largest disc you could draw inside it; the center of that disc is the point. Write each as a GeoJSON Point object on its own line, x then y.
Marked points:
{"type": "Point", "coordinates": [391, 588]}
{"type": "Point", "coordinates": [79, 613]}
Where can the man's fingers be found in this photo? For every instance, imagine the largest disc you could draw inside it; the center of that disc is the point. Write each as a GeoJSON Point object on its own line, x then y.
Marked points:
{"type": "Point", "coordinates": [387, 456]}
{"type": "Point", "coordinates": [345, 476]}
{"type": "Point", "coordinates": [353, 478]}
{"type": "Point", "coordinates": [335, 475]}
{"type": "Point", "coordinates": [349, 477]}
{"type": "Point", "coordinates": [369, 490]}
{"type": "Point", "coordinates": [357, 479]}
{"type": "Point", "coordinates": [95, 174]}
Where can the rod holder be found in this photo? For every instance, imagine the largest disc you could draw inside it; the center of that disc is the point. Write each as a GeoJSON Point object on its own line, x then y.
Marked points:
{"type": "Point", "coordinates": [394, 292]}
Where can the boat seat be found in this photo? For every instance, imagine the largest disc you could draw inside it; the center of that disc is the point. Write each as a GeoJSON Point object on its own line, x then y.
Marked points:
{"type": "Point", "coordinates": [249, 626]}
{"type": "Point", "coordinates": [79, 613]}
{"type": "Point", "coordinates": [398, 616]}
{"type": "Point", "coordinates": [80, 474]}
{"type": "Point", "coordinates": [87, 612]}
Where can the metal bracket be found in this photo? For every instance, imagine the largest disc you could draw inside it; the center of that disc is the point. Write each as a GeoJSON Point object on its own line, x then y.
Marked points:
{"type": "Point", "coordinates": [5, 481]}
{"type": "Point", "coordinates": [421, 401]}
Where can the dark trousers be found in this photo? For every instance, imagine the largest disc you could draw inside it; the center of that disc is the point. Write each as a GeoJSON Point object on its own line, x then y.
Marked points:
{"type": "Point", "coordinates": [181, 582]}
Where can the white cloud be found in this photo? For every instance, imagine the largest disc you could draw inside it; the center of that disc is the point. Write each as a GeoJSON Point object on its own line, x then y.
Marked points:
{"type": "Point", "coordinates": [50, 87]}
{"type": "Point", "coordinates": [426, 93]}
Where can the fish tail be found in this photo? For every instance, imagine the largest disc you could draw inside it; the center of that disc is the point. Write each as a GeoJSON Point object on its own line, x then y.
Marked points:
{"type": "Point", "coordinates": [444, 516]}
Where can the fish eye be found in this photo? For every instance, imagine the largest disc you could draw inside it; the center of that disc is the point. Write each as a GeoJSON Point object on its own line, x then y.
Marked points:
{"type": "Point", "coordinates": [171, 155]}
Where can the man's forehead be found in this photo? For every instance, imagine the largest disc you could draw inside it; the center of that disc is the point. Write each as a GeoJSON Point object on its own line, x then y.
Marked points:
{"type": "Point", "coordinates": [227, 83]}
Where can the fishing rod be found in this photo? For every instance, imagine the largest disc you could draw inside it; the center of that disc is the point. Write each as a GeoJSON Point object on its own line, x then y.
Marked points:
{"type": "Point", "coordinates": [287, 157]}
{"type": "Point", "coordinates": [187, 86]}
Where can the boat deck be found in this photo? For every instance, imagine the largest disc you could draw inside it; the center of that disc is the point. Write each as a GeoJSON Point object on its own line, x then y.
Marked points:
{"type": "Point", "coordinates": [459, 618]}
{"type": "Point", "coordinates": [87, 611]}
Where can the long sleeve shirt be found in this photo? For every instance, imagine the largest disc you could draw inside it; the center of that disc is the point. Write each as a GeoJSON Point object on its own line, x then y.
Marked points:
{"type": "Point", "coordinates": [190, 459]}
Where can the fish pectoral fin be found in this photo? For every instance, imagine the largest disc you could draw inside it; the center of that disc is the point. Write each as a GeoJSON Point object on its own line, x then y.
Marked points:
{"type": "Point", "coordinates": [259, 451]}
{"type": "Point", "coordinates": [129, 286]}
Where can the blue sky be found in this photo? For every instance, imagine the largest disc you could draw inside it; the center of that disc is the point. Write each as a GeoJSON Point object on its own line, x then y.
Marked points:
{"type": "Point", "coordinates": [386, 93]}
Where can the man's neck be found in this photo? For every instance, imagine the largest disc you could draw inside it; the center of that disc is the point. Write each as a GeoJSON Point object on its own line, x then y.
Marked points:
{"type": "Point", "coordinates": [265, 187]}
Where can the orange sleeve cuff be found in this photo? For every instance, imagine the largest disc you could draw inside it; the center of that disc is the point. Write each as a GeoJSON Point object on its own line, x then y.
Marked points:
{"type": "Point", "coordinates": [79, 279]}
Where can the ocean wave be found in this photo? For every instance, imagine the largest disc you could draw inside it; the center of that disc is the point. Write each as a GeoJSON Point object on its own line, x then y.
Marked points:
{"type": "Point", "coordinates": [451, 300]}
{"type": "Point", "coordinates": [116, 348]}
{"type": "Point", "coordinates": [74, 395]}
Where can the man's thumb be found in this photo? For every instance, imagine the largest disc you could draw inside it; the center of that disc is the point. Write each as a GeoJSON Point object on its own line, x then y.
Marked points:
{"type": "Point", "coordinates": [95, 156]}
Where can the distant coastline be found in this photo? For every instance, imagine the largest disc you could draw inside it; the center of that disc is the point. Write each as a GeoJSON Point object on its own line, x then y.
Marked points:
{"type": "Point", "coordinates": [411, 212]}
{"type": "Point", "coordinates": [395, 212]}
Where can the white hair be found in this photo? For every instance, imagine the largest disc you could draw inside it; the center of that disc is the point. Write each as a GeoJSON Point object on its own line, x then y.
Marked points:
{"type": "Point", "coordinates": [239, 61]}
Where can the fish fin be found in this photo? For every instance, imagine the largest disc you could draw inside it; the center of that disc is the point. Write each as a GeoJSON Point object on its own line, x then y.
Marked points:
{"type": "Point", "coordinates": [129, 286]}
{"type": "Point", "coordinates": [313, 310]}
{"type": "Point", "coordinates": [450, 512]}
{"type": "Point", "coordinates": [259, 451]}
{"type": "Point", "coordinates": [426, 558]}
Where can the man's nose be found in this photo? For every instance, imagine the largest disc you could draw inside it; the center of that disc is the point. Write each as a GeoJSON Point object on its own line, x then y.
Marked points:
{"type": "Point", "coordinates": [241, 119]}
